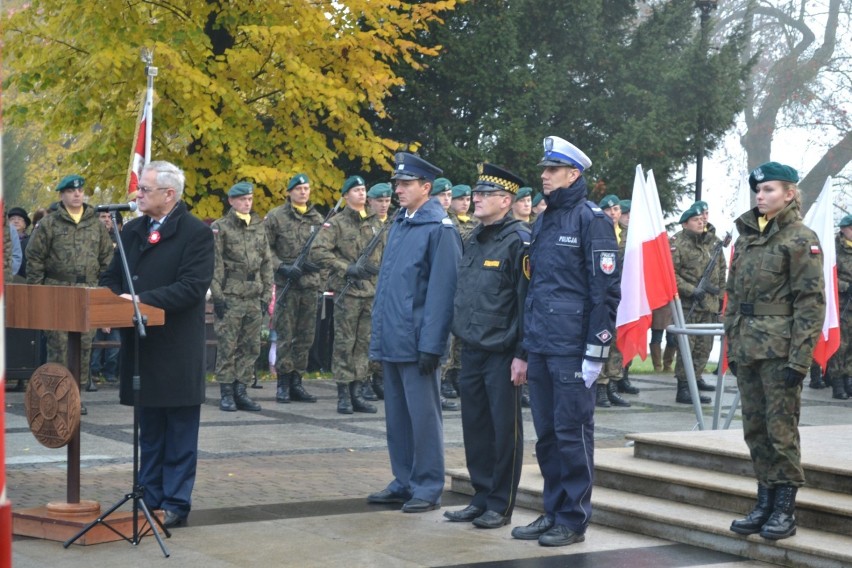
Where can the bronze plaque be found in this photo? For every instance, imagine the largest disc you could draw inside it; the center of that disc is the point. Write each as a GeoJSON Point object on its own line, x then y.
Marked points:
{"type": "Point", "coordinates": [53, 405]}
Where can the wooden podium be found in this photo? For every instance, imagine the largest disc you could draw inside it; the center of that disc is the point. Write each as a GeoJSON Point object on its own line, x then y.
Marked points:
{"type": "Point", "coordinates": [75, 310]}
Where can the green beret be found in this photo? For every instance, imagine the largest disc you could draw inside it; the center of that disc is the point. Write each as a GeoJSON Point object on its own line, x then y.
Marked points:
{"type": "Point", "coordinates": [440, 185]}
{"type": "Point", "coordinates": [625, 205]}
{"type": "Point", "coordinates": [461, 190]}
{"type": "Point", "coordinates": [689, 214]}
{"type": "Point", "coordinates": [846, 221]}
{"type": "Point", "coordinates": [610, 200]}
{"type": "Point", "coordinates": [537, 198]}
{"type": "Point", "coordinates": [297, 179]}
{"type": "Point", "coordinates": [240, 189]}
{"type": "Point", "coordinates": [701, 206]}
{"type": "Point", "coordinates": [70, 182]}
{"type": "Point", "coordinates": [380, 190]}
{"type": "Point", "coordinates": [523, 192]}
{"type": "Point", "coordinates": [351, 181]}
{"type": "Point", "coordinates": [771, 171]}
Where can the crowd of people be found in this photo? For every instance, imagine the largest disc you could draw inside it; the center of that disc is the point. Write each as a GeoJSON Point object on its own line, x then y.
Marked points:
{"type": "Point", "coordinates": [492, 294]}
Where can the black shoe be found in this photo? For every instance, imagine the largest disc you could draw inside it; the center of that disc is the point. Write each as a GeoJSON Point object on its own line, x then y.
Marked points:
{"type": "Point", "coordinates": [344, 399]}
{"type": "Point", "coordinates": [838, 390]}
{"type": "Point", "coordinates": [447, 389]}
{"type": "Point", "coordinates": [560, 535]}
{"type": "Point", "coordinates": [601, 399]}
{"type": "Point", "coordinates": [226, 400]}
{"type": "Point", "coordinates": [386, 496]}
{"type": "Point", "coordinates": [525, 396]}
{"type": "Point", "coordinates": [782, 523]}
{"type": "Point", "coordinates": [297, 391]}
{"type": "Point", "coordinates": [419, 506]}
{"type": "Point", "coordinates": [847, 384]}
{"type": "Point", "coordinates": [358, 402]}
{"type": "Point", "coordinates": [624, 385]}
{"type": "Point", "coordinates": [683, 395]}
{"type": "Point", "coordinates": [758, 516]}
{"type": "Point", "coordinates": [816, 377]}
{"type": "Point", "coordinates": [492, 520]}
{"type": "Point", "coordinates": [448, 404]}
{"type": "Point", "coordinates": [172, 520]}
{"type": "Point", "coordinates": [83, 410]}
{"type": "Point", "coordinates": [533, 530]}
{"type": "Point", "coordinates": [614, 397]}
{"type": "Point", "coordinates": [702, 386]}
{"type": "Point", "coordinates": [465, 515]}
{"type": "Point", "coordinates": [242, 399]}
{"type": "Point", "coordinates": [367, 392]}
{"type": "Point", "coordinates": [282, 391]}
{"type": "Point", "coordinates": [378, 382]}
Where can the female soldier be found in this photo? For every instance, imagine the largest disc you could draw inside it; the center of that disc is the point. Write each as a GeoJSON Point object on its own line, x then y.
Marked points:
{"type": "Point", "coordinates": [776, 306]}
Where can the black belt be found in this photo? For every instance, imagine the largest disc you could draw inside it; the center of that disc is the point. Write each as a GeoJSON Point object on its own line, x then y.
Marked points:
{"type": "Point", "coordinates": [766, 309]}
{"type": "Point", "coordinates": [65, 277]}
{"type": "Point", "coordinates": [241, 276]}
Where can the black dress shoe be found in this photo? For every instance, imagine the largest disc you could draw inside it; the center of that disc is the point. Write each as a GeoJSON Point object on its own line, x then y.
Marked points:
{"type": "Point", "coordinates": [172, 520]}
{"type": "Point", "coordinates": [492, 520]}
{"type": "Point", "coordinates": [533, 530]}
{"type": "Point", "coordinates": [465, 515]}
{"type": "Point", "coordinates": [419, 506]}
{"type": "Point", "coordinates": [560, 535]}
{"type": "Point", "coordinates": [386, 496]}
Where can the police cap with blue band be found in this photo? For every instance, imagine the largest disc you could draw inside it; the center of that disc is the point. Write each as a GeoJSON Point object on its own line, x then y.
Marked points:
{"type": "Point", "coordinates": [240, 189]}
{"type": "Point", "coordinates": [771, 171]}
{"type": "Point", "coordinates": [380, 190]}
{"type": "Point", "coordinates": [408, 166]}
{"type": "Point", "coordinates": [495, 178]}
{"type": "Point", "coordinates": [560, 152]}
{"type": "Point", "coordinates": [297, 179]}
{"type": "Point", "coordinates": [440, 185]}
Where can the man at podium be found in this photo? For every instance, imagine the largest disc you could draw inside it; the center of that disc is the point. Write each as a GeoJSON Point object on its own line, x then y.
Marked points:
{"type": "Point", "coordinates": [170, 256]}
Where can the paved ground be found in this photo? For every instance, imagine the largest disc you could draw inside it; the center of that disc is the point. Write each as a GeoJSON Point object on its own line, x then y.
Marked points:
{"type": "Point", "coordinates": [286, 487]}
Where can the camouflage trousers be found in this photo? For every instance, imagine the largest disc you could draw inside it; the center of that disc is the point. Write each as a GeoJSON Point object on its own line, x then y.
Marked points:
{"type": "Point", "coordinates": [454, 358]}
{"type": "Point", "coordinates": [238, 339]}
{"type": "Point", "coordinates": [840, 364]}
{"type": "Point", "coordinates": [770, 413]}
{"type": "Point", "coordinates": [613, 368]}
{"type": "Point", "coordinates": [699, 345]}
{"type": "Point", "coordinates": [295, 322]}
{"type": "Point", "coordinates": [352, 324]}
{"type": "Point", "coordinates": [57, 350]}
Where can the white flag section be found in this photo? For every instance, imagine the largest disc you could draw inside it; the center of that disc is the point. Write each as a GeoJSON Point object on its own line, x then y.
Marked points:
{"type": "Point", "coordinates": [821, 221]}
{"type": "Point", "coordinates": [647, 274]}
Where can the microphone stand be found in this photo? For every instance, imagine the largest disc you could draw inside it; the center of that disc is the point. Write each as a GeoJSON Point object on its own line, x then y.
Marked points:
{"type": "Point", "coordinates": [138, 491]}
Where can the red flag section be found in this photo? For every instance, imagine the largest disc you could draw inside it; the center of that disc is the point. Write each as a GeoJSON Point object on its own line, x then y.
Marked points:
{"type": "Point", "coordinates": [137, 157]}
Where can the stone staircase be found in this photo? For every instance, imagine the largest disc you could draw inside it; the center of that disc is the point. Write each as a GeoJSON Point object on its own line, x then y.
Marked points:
{"type": "Point", "coordinates": [688, 486]}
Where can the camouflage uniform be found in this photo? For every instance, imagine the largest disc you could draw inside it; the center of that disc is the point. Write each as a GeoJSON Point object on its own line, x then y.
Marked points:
{"type": "Point", "coordinates": [840, 366]}
{"type": "Point", "coordinates": [691, 252]}
{"type": "Point", "coordinates": [776, 275]}
{"type": "Point", "coordinates": [64, 253]}
{"type": "Point", "coordinates": [340, 244]}
{"type": "Point", "coordinates": [294, 319]}
{"type": "Point", "coordinates": [242, 279]}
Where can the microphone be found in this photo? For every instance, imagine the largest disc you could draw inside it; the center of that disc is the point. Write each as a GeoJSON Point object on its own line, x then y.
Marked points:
{"type": "Point", "coordinates": [116, 207]}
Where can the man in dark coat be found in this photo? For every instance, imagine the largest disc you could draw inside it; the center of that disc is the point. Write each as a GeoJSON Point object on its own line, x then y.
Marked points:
{"type": "Point", "coordinates": [171, 257]}
{"type": "Point", "coordinates": [411, 320]}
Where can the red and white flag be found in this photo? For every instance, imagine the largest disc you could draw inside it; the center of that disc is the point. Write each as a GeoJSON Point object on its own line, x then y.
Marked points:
{"type": "Point", "coordinates": [647, 275]}
{"type": "Point", "coordinates": [821, 221]}
{"type": "Point", "coordinates": [141, 154]}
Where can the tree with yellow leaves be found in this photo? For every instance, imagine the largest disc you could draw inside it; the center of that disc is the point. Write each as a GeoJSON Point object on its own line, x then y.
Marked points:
{"type": "Point", "coordinates": [246, 89]}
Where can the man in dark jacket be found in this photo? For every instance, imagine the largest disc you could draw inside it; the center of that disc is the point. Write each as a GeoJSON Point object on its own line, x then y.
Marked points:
{"type": "Point", "coordinates": [411, 320]}
{"type": "Point", "coordinates": [569, 324]}
{"type": "Point", "coordinates": [171, 257]}
{"type": "Point", "coordinates": [488, 321]}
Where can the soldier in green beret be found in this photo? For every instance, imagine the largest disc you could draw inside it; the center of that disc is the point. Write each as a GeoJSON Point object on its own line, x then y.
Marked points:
{"type": "Point", "coordinates": [840, 365]}
{"type": "Point", "coordinates": [71, 247]}
{"type": "Point", "coordinates": [538, 204]}
{"type": "Point", "coordinates": [460, 211]}
{"type": "Point", "coordinates": [773, 318]}
{"type": "Point", "coordinates": [443, 191]}
{"type": "Point", "coordinates": [522, 205]}
{"type": "Point", "coordinates": [241, 291]}
{"type": "Point", "coordinates": [288, 228]}
{"type": "Point", "coordinates": [379, 200]}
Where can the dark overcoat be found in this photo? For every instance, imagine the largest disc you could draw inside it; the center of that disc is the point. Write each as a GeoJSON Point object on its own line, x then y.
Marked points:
{"type": "Point", "coordinates": [173, 274]}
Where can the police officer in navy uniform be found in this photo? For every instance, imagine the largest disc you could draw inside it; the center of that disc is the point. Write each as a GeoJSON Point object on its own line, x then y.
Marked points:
{"type": "Point", "coordinates": [488, 321]}
{"type": "Point", "coordinates": [412, 313]}
{"type": "Point", "coordinates": [569, 320]}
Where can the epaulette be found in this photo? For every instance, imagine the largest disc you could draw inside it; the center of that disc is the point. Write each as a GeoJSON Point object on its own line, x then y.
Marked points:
{"type": "Point", "coordinates": [448, 221]}
{"type": "Point", "coordinates": [595, 209]}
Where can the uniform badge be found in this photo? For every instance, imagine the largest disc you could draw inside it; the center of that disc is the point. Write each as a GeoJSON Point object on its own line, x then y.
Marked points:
{"type": "Point", "coordinates": [604, 336]}
{"type": "Point", "coordinates": [154, 237]}
{"type": "Point", "coordinates": [491, 263]}
{"type": "Point", "coordinates": [526, 266]}
{"type": "Point", "coordinates": [607, 262]}
{"type": "Point", "coordinates": [757, 174]}
{"type": "Point", "coordinates": [326, 225]}
{"type": "Point", "coordinates": [815, 249]}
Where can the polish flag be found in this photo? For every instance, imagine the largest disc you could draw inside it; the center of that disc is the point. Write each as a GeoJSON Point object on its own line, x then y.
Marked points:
{"type": "Point", "coordinates": [141, 152]}
{"type": "Point", "coordinates": [647, 275]}
{"type": "Point", "coordinates": [821, 221]}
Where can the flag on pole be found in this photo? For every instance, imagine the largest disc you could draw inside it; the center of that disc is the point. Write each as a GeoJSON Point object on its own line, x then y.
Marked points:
{"type": "Point", "coordinates": [821, 221]}
{"type": "Point", "coordinates": [647, 275]}
{"type": "Point", "coordinates": [141, 148]}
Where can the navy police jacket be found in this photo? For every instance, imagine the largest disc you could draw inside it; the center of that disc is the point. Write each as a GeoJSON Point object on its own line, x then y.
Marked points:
{"type": "Point", "coordinates": [575, 283]}
{"type": "Point", "coordinates": [413, 307]}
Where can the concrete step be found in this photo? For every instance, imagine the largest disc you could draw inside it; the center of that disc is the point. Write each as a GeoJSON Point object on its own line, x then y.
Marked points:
{"type": "Point", "coordinates": [826, 453]}
{"type": "Point", "coordinates": [619, 469]}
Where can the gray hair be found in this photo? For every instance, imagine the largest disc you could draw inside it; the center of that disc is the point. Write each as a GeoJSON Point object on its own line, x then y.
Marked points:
{"type": "Point", "coordinates": [168, 175]}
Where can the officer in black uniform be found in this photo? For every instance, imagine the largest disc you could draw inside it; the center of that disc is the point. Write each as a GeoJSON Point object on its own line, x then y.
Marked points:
{"type": "Point", "coordinates": [492, 285]}
{"type": "Point", "coordinates": [569, 320]}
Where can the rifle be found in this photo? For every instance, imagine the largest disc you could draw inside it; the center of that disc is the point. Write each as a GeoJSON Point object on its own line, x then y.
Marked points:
{"type": "Point", "coordinates": [303, 254]}
{"type": "Point", "coordinates": [363, 261]}
{"type": "Point", "coordinates": [708, 270]}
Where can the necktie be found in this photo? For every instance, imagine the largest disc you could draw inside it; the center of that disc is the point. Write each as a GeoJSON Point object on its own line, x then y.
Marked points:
{"type": "Point", "coordinates": [154, 226]}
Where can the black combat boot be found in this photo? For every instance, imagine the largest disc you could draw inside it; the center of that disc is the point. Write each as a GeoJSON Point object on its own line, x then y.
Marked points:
{"type": "Point", "coordinates": [685, 397]}
{"type": "Point", "coordinates": [344, 399]}
{"type": "Point", "coordinates": [702, 386]}
{"type": "Point", "coordinates": [358, 402]}
{"type": "Point", "coordinates": [242, 400]}
{"type": "Point", "coordinates": [367, 391]}
{"type": "Point", "coordinates": [613, 396]}
{"type": "Point", "coordinates": [816, 377]}
{"type": "Point", "coordinates": [227, 403]}
{"type": "Point", "coordinates": [758, 516]}
{"type": "Point", "coordinates": [378, 381]}
{"type": "Point", "coordinates": [624, 384]}
{"type": "Point", "coordinates": [601, 398]}
{"type": "Point", "coordinates": [447, 388]}
{"type": "Point", "coordinates": [782, 522]}
{"type": "Point", "coordinates": [847, 384]}
{"type": "Point", "coordinates": [838, 388]}
{"type": "Point", "coordinates": [297, 391]}
{"type": "Point", "coordinates": [283, 392]}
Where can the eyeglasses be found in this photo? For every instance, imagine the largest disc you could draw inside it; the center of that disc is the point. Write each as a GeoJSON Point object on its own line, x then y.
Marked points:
{"type": "Point", "coordinates": [489, 193]}
{"type": "Point", "coordinates": [146, 190]}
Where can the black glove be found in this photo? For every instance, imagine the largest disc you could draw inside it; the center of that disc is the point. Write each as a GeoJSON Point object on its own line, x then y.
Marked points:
{"type": "Point", "coordinates": [290, 272]}
{"type": "Point", "coordinates": [355, 272]}
{"type": "Point", "coordinates": [714, 290]}
{"type": "Point", "coordinates": [219, 308]}
{"type": "Point", "coordinates": [427, 363]}
{"type": "Point", "coordinates": [732, 365]}
{"type": "Point", "coordinates": [698, 294]}
{"type": "Point", "coordinates": [793, 378]}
